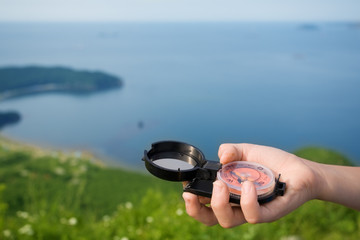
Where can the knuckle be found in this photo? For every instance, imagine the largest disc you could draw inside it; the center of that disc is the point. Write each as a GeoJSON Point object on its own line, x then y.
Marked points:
{"type": "Point", "coordinates": [223, 145]}
{"type": "Point", "coordinates": [218, 205]}
{"type": "Point", "coordinates": [192, 212]}
{"type": "Point", "coordinates": [253, 219]}
{"type": "Point", "coordinates": [226, 225]}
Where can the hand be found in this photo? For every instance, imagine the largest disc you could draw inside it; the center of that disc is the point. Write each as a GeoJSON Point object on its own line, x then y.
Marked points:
{"type": "Point", "coordinates": [300, 176]}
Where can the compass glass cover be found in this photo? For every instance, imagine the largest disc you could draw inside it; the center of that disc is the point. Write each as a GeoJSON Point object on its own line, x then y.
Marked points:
{"type": "Point", "coordinates": [173, 164]}
{"type": "Point", "coordinates": [235, 173]}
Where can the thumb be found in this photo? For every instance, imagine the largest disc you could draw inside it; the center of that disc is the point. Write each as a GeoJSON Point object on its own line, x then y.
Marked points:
{"type": "Point", "coordinates": [249, 204]}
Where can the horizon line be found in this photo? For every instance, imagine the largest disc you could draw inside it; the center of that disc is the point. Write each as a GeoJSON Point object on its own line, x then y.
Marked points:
{"type": "Point", "coordinates": [188, 21]}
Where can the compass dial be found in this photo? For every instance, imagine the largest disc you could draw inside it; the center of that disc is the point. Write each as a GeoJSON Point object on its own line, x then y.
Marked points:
{"type": "Point", "coordinates": [235, 173]}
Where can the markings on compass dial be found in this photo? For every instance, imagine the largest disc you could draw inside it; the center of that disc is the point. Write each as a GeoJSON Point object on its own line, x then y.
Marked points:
{"type": "Point", "coordinates": [236, 175]}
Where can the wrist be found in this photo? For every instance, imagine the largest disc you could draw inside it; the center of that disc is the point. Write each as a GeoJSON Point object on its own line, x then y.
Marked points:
{"type": "Point", "coordinates": [317, 183]}
{"type": "Point", "coordinates": [338, 184]}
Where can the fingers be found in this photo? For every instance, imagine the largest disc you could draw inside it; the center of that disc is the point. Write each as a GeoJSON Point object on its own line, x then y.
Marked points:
{"type": "Point", "coordinates": [198, 210]}
{"type": "Point", "coordinates": [229, 152]}
{"type": "Point", "coordinates": [249, 204]}
{"type": "Point", "coordinates": [227, 216]}
{"type": "Point", "coordinates": [221, 211]}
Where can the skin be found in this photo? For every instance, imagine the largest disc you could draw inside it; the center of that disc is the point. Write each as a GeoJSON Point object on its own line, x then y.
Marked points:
{"type": "Point", "coordinates": [305, 180]}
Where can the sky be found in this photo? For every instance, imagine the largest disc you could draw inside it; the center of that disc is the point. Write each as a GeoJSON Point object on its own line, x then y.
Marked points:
{"type": "Point", "coordinates": [178, 10]}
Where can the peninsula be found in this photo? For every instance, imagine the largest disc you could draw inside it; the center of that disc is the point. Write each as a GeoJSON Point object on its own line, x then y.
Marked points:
{"type": "Point", "coordinates": [19, 81]}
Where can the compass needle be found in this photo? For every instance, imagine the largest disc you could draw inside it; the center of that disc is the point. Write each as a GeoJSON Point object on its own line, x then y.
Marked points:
{"type": "Point", "coordinates": [238, 178]}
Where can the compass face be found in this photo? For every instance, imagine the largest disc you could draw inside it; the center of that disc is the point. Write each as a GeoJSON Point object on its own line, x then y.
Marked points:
{"type": "Point", "coordinates": [235, 173]}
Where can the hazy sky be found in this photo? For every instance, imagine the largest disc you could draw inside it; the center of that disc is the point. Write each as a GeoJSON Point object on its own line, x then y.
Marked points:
{"type": "Point", "coordinates": [179, 10]}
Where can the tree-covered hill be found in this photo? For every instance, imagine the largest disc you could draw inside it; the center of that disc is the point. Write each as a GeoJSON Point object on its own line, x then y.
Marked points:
{"type": "Point", "coordinates": [9, 118]}
{"type": "Point", "coordinates": [16, 81]}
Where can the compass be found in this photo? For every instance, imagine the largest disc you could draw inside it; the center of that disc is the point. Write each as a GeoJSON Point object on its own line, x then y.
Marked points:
{"type": "Point", "coordinates": [235, 173]}
{"type": "Point", "coordinates": [182, 162]}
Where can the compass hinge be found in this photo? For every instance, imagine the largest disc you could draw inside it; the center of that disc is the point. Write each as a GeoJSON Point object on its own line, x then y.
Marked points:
{"type": "Point", "coordinates": [209, 170]}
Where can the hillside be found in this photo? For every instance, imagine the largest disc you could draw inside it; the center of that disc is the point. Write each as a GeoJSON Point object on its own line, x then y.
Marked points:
{"type": "Point", "coordinates": [63, 195]}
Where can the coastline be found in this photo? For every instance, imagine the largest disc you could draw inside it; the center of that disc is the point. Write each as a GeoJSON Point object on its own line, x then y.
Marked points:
{"type": "Point", "coordinates": [46, 88]}
{"type": "Point", "coordinates": [38, 150]}
{"type": "Point", "coordinates": [12, 144]}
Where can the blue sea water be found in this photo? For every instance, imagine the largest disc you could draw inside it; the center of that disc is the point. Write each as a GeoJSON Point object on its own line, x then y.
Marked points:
{"type": "Point", "coordinates": [286, 85]}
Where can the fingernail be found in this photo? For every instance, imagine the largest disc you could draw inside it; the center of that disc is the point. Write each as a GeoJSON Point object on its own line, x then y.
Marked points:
{"type": "Point", "coordinates": [186, 199]}
{"type": "Point", "coordinates": [218, 187]}
{"type": "Point", "coordinates": [245, 188]}
{"type": "Point", "coordinates": [227, 154]}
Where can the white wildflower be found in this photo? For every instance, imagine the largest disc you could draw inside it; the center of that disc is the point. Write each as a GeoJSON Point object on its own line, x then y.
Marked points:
{"type": "Point", "coordinates": [106, 218]}
{"type": "Point", "coordinates": [26, 230]}
{"type": "Point", "coordinates": [149, 219]}
{"type": "Point", "coordinates": [124, 238]}
{"type": "Point", "coordinates": [59, 171]}
{"type": "Point", "coordinates": [22, 214]}
{"type": "Point", "coordinates": [179, 212]}
{"type": "Point", "coordinates": [72, 221]}
{"type": "Point", "coordinates": [292, 237]}
{"type": "Point", "coordinates": [7, 233]}
{"type": "Point", "coordinates": [128, 205]}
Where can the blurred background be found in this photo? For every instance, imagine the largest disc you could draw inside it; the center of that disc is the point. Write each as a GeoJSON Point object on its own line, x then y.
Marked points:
{"type": "Point", "coordinates": [279, 73]}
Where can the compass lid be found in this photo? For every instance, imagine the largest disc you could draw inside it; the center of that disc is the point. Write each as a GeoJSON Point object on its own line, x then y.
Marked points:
{"type": "Point", "coordinates": [177, 161]}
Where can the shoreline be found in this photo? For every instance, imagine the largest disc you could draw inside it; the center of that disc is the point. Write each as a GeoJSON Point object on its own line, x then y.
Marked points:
{"type": "Point", "coordinates": [39, 150]}
{"type": "Point", "coordinates": [47, 88]}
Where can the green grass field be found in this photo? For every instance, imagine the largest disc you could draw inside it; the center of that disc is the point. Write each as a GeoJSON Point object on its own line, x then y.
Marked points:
{"type": "Point", "coordinates": [49, 195]}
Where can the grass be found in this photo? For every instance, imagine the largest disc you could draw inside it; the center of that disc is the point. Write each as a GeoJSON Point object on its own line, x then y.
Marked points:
{"type": "Point", "coordinates": [50, 195]}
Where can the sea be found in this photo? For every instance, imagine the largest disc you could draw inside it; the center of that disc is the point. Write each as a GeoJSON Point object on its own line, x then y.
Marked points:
{"type": "Point", "coordinates": [283, 84]}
